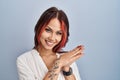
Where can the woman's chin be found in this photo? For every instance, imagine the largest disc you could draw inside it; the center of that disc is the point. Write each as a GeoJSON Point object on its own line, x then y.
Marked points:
{"type": "Point", "coordinates": [48, 48]}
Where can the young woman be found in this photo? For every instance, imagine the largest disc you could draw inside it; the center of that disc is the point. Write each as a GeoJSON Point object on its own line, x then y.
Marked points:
{"type": "Point", "coordinates": [47, 61]}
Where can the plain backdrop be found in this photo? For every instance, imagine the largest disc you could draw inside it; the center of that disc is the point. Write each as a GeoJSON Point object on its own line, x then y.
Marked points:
{"type": "Point", "coordinates": [93, 23]}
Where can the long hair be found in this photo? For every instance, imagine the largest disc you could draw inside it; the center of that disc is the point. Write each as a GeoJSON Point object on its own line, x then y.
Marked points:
{"type": "Point", "coordinates": [45, 18]}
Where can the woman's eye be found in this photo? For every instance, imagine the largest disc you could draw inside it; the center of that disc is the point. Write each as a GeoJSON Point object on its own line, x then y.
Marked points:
{"type": "Point", "coordinates": [47, 30]}
{"type": "Point", "coordinates": [59, 33]}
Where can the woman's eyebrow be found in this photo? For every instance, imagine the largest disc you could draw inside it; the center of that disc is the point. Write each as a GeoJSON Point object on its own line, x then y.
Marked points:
{"type": "Point", "coordinates": [60, 31]}
{"type": "Point", "coordinates": [49, 27]}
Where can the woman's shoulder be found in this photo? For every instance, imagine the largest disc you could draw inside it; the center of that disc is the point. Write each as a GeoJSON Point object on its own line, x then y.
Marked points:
{"type": "Point", "coordinates": [27, 54]}
{"type": "Point", "coordinates": [26, 59]}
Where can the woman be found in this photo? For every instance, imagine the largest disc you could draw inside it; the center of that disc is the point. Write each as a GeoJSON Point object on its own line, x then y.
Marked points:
{"type": "Point", "coordinates": [47, 61]}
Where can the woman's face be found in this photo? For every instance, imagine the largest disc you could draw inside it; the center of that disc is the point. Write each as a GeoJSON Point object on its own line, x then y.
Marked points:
{"type": "Point", "coordinates": [52, 35]}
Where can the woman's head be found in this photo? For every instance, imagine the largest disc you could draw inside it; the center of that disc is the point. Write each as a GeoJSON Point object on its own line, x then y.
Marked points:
{"type": "Point", "coordinates": [43, 23]}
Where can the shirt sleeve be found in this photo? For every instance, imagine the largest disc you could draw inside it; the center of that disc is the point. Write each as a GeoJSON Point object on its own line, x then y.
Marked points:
{"type": "Point", "coordinates": [76, 71]}
{"type": "Point", "coordinates": [24, 72]}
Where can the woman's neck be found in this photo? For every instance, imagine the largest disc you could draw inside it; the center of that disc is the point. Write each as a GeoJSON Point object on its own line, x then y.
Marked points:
{"type": "Point", "coordinates": [44, 52]}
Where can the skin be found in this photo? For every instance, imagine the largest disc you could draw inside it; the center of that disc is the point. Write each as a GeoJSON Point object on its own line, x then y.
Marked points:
{"type": "Point", "coordinates": [50, 37]}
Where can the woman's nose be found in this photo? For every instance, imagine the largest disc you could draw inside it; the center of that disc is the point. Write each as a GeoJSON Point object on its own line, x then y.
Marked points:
{"type": "Point", "coordinates": [52, 37]}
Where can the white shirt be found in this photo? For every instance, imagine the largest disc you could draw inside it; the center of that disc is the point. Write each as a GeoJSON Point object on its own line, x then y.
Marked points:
{"type": "Point", "coordinates": [31, 66]}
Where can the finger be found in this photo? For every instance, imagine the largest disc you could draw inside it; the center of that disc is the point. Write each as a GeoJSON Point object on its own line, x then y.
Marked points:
{"type": "Point", "coordinates": [78, 50]}
{"type": "Point", "coordinates": [75, 50]}
{"type": "Point", "coordinates": [79, 53]}
{"type": "Point", "coordinates": [78, 56]}
{"type": "Point", "coordinates": [73, 59]}
{"type": "Point", "coordinates": [81, 47]}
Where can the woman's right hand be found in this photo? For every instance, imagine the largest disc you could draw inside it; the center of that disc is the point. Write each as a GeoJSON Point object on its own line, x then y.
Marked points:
{"type": "Point", "coordinates": [66, 59]}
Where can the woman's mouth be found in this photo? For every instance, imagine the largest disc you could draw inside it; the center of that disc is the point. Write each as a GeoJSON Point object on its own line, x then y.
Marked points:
{"type": "Point", "coordinates": [49, 43]}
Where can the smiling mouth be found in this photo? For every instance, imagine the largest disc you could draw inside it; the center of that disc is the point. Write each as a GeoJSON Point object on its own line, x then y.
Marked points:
{"type": "Point", "coordinates": [49, 43]}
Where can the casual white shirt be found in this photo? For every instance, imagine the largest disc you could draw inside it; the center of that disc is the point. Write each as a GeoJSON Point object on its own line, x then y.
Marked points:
{"type": "Point", "coordinates": [31, 66]}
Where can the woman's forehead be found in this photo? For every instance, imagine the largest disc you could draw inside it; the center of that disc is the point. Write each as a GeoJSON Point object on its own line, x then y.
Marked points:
{"type": "Point", "coordinates": [54, 24]}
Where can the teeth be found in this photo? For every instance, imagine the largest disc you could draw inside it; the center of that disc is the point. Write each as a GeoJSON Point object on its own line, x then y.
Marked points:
{"type": "Point", "coordinates": [49, 43]}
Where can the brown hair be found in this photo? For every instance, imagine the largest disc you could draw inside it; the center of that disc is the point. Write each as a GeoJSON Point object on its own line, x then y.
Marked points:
{"type": "Point", "coordinates": [45, 18]}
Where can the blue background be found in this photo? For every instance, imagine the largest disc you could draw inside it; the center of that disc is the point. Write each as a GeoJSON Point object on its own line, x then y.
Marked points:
{"type": "Point", "coordinates": [93, 23]}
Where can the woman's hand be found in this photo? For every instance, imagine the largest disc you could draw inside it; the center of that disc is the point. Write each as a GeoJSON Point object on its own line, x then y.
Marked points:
{"type": "Point", "coordinates": [66, 59]}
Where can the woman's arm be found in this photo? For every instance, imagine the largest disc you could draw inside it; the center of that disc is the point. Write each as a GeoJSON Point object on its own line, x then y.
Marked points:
{"type": "Point", "coordinates": [70, 75]}
{"type": "Point", "coordinates": [73, 73]}
{"type": "Point", "coordinates": [63, 64]}
{"type": "Point", "coordinates": [66, 59]}
{"type": "Point", "coordinates": [54, 71]}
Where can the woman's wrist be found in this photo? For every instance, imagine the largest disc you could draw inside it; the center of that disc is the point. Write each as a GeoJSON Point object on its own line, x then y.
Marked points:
{"type": "Point", "coordinates": [66, 68]}
{"type": "Point", "coordinates": [68, 73]}
{"type": "Point", "coordinates": [58, 64]}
